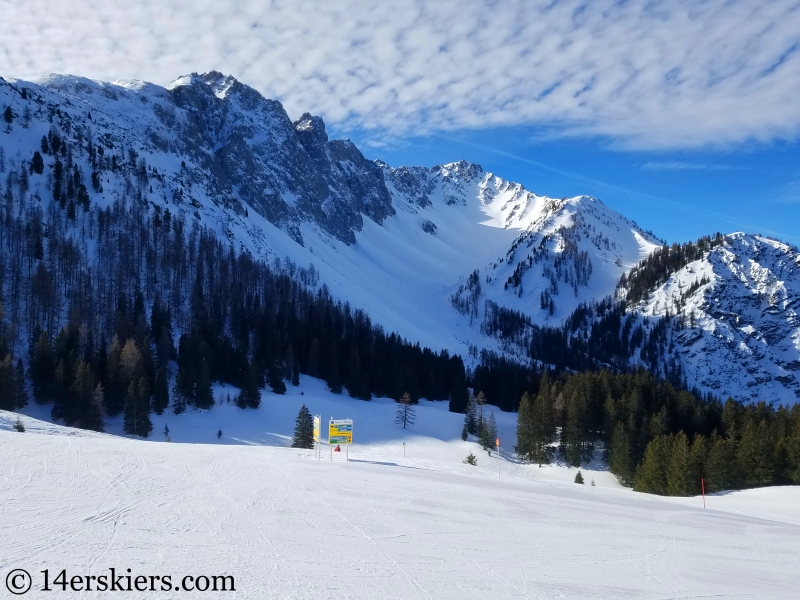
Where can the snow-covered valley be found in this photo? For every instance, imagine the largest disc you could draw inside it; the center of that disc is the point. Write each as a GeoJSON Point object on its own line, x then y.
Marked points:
{"type": "Point", "coordinates": [382, 525]}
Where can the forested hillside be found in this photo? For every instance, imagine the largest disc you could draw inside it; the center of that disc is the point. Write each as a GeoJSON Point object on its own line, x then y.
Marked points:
{"type": "Point", "coordinates": [656, 438]}
{"type": "Point", "coordinates": [102, 303]}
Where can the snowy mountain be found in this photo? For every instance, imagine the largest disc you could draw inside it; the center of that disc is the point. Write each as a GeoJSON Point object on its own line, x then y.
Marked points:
{"type": "Point", "coordinates": [451, 256]}
{"type": "Point", "coordinates": [737, 329]}
{"type": "Point", "coordinates": [400, 243]}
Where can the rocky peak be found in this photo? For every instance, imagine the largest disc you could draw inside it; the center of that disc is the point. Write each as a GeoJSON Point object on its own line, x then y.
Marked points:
{"type": "Point", "coordinates": [312, 135]}
{"type": "Point", "coordinates": [462, 169]}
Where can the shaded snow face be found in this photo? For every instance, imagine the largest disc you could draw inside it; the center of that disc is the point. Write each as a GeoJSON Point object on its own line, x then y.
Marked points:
{"type": "Point", "coordinates": [737, 308]}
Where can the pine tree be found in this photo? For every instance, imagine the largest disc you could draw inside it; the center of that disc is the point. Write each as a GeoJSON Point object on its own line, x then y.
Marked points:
{"type": "Point", "coordinates": [471, 416]}
{"type": "Point", "coordinates": [651, 476]}
{"type": "Point", "coordinates": [697, 464]}
{"type": "Point", "coordinates": [679, 467]}
{"type": "Point", "coordinates": [405, 415]}
{"type": "Point", "coordinates": [313, 358]}
{"type": "Point", "coordinates": [303, 429]}
{"type": "Point", "coordinates": [575, 431]}
{"type": "Point", "coordinates": [8, 115]}
{"type": "Point", "coordinates": [161, 391]}
{"type": "Point", "coordinates": [480, 401]}
{"type": "Point", "coordinates": [250, 396]}
{"type": "Point", "coordinates": [793, 453]}
{"type": "Point", "coordinates": [464, 433]}
{"type": "Point", "coordinates": [471, 460]}
{"type": "Point", "coordinates": [755, 458]}
{"type": "Point", "coordinates": [20, 393]}
{"type": "Point", "coordinates": [204, 397]}
{"type": "Point", "coordinates": [82, 407]}
{"type": "Point", "coordinates": [333, 379]}
{"type": "Point", "coordinates": [137, 409]}
{"type": "Point", "coordinates": [116, 386]}
{"type": "Point", "coordinates": [295, 373]}
{"type": "Point", "coordinates": [621, 461]}
{"type": "Point", "coordinates": [275, 380]}
{"type": "Point", "coordinates": [721, 468]}
{"type": "Point", "coordinates": [19, 426]}
{"type": "Point", "coordinates": [543, 430]}
{"type": "Point", "coordinates": [483, 432]}
{"type": "Point", "coordinates": [579, 478]}
{"type": "Point", "coordinates": [42, 369]}
{"type": "Point", "coordinates": [459, 395]}
{"type": "Point", "coordinates": [526, 446]}
{"type": "Point", "coordinates": [37, 164]}
{"type": "Point", "coordinates": [491, 430]}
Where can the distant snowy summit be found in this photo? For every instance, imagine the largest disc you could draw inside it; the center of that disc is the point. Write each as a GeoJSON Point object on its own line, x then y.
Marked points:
{"type": "Point", "coordinates": [451, 256]}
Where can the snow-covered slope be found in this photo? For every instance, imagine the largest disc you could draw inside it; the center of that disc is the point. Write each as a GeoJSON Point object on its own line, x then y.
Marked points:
{"type": "Point", "coordinates": [420, 249]}
{"type": "Point", "coordinates": [526, 249]}
{"type": "Point", "coordinates": [380, 526]}
{"type": "Point", "coordinates": [451, 256]}
{"type": "Point", "coordinates": [738, 327]}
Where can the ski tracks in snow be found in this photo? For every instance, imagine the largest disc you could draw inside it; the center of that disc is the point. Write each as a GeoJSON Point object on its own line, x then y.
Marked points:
{"type": "Point", "coordinates": [395, 565]}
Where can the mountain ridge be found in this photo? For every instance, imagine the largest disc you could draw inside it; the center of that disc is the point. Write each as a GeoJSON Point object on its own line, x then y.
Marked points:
{"type": "Point", "coordinates": [434, 253]}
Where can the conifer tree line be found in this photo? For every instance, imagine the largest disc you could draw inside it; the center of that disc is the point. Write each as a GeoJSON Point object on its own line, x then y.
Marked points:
{"type": "Point", "coordinates": [479, 422]}
{"type": "Point", "coordinates": [657, 438]}
{"type": "Point", "coordinates": [130, 309]}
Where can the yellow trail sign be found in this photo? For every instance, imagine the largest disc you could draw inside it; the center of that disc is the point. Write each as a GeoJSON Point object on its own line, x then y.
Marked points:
{"type": "Point", "coordinates": [317, 428]}
{"type": "Point", "coordinates": [340, 431]}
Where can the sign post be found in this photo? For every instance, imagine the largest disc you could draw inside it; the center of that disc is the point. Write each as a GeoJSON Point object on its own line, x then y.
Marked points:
{"type": "Point", "coordinates": [317, 429]}
{"type": "Point", "coordinates": [340, 431]}
{"type": "Point", "coordinates": [404, 449]}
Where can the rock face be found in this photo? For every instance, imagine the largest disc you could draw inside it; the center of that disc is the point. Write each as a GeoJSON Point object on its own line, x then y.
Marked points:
{"type": "Point", "coordinates": [738, 332]}
{"type": "Point", "coordinates": [242, 148]}
{"type": "Point", "coordinates": [288, 172]}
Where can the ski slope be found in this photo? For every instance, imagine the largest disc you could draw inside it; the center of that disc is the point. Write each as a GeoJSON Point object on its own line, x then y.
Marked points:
{"type": "Point", "coordinates": [425, 526]}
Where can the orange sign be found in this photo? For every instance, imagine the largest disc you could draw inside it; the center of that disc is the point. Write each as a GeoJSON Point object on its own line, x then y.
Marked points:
{"type": "Point", "coordinates": [497, 442]}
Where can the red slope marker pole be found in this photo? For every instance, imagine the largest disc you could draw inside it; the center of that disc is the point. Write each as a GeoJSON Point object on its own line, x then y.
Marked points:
{"type": "Point", "coordinates": [703, 487]}
{"type": "Point", "coordinates": [497, 446]}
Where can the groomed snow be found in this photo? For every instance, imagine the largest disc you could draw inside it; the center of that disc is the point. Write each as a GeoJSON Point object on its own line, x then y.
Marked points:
{"type": "Point", "coordinates": [380, 526]}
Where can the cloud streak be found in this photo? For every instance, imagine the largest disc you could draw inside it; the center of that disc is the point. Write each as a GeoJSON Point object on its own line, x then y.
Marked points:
{"type": "Point", "coordinates": [683, 166]}
{"type": "Point", "coordinates": [654, 75]}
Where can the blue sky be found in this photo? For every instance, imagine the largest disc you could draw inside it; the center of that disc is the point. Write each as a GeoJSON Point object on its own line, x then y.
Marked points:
{"type": "Point", "coordinates": [682, 114]}
{"type": "Point", "coordinates": [678, 195]}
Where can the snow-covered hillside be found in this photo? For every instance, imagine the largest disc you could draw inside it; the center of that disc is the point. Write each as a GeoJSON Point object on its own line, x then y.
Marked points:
{"type": "Point", "coordinates": [737, 308]}
{"type": "Point", "coordinates": [399, 243]}
{"type": "Point", "coordinates": [451, 256]}
{"type": "Point", "coordinates": [426, 526]}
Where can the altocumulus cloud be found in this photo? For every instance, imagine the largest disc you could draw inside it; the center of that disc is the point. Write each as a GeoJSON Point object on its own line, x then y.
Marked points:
{"type": "Point", "coordinates": [648, 74]}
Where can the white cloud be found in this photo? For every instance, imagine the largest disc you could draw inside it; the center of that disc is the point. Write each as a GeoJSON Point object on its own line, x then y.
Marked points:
{"type": "Point", "coordinates": [672, 74]}
{"type": "Point", "coordinates": [683, 166]}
